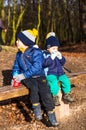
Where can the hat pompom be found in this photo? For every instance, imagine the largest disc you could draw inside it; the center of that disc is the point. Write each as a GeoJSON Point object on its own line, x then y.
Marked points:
{"type": "Point", "coordinates": [50, 34]}
{"type": "Point", "coordinates": [35, 32]}
{"type": "Point", "coordinates": [51, 40]}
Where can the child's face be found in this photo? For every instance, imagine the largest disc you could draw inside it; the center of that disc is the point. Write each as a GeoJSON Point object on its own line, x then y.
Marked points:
{"type": "Point", "coordinates": [53, 49]}
{"type": "Point", "coordinates": [20, 44]}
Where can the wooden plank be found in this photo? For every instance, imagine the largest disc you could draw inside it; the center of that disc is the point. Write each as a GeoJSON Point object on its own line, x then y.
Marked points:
{"type": "Point", "coordinates": [8, 92]}
{"type": "Point", "coordinates": [76, 74]}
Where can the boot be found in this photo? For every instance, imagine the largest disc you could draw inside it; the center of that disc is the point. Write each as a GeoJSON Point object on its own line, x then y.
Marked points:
{"type": "Point", "coordinates": [67, 97]}
{"type": "Point", "coordinates": [56, 100]}
{"type": "Point", "coordinates": [52, 118]}
{"type": "Point", "coordinates": [37, 112]}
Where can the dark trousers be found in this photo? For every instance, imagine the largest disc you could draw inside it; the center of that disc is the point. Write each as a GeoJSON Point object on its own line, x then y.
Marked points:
{"type": "Point", "coordinates": [39, 89]}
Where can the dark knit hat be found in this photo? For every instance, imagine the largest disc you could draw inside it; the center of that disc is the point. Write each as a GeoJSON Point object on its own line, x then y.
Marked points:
{"type": "Point", "coordinates": [28, 36]}
{"type": "Point", "coordinates": [51, 40]}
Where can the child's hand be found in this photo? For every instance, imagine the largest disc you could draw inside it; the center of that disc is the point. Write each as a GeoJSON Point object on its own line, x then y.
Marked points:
{"type": "Point", "coordinates": [14, 83]}
{"type": "Point", "coordinates": [19, 77]}
{"type": "Point", "coordinates": [53, 55]}
{"type": "Point", "coordinates": [16, 80]}
{"type": "Point", "coordinates": [59, 55]}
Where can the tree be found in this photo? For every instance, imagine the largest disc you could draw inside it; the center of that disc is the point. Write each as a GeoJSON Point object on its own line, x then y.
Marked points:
{"type": "Point", "coordinates": [39, 21]}
{"type": "Point", "coordinates": [65, 17]}
{"type": "Point", "coordinates": [15, 22]}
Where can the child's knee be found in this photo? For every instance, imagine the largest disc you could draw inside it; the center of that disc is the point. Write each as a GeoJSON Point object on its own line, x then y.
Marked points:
{"type": "Point", "coordinates": [55, 91]}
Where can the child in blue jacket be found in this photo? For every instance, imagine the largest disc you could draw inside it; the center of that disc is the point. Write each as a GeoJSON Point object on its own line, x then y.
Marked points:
{"type": "Point", "coordinates": [53, 66]}
{"type": "Point", "coordinates": [28, 70]}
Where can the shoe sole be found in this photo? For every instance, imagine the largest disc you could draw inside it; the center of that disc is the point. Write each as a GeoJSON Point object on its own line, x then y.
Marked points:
{"type": "Point", "coordinates": [55, 125]}
{"type": "Point", "coordinates": [66, 101]}
{"type": "Point", "coordinates": [39, 118]}
{"type": "Point", "coordinates": [57, 104]}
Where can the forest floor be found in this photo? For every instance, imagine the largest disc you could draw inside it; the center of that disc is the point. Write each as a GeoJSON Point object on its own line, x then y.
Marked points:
{"type": "Point", "coordinates": [17, 114]}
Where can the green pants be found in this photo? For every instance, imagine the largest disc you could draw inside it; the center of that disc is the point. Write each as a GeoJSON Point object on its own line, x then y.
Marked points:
{"type": "Point", "coordinates": [53, 82]}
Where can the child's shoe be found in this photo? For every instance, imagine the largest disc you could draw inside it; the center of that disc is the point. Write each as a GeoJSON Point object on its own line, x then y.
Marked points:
{"type": "Point", "coordinates": [67, 97]}
{"type": "Point", "coordinates": [56, 100]}
{"type": "Point", "coordinates": [52, 118]}
{"type": "Point", "coordinates": [37, 112]}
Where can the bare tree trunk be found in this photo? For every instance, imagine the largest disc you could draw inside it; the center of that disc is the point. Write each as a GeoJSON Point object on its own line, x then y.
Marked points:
{"type": "Point", "coordinates": [16, 24]}
{"type": "Point", "coordinates": [9, 13]}
{"type": "Point", "coordinates": [1, 8]}
{"type": "Point", "coordinates": [81, 19]}
{"type": "Point", "coordinates": [84, 23]}
{"type": "Point", "coordinates": [70, 32]}
{"type": "Point", "coordinates": [2, 27]}
{"type": "Point", "coordinates": [49, 15]}
{"type": "Point", "coordinates": [39, 21]}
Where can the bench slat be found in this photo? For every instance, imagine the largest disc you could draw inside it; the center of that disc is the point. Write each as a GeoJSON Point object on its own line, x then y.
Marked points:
{"type": "Point", "coordinates": [8, 92]}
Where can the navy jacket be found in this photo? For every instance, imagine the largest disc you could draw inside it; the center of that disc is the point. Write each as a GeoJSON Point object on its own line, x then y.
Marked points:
{"type": "Point", "coordinates": [29, 63]}
{"type": "Point", "coordinates": [53, 66]}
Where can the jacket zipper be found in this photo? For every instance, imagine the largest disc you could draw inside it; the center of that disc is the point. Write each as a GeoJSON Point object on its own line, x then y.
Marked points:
{"type": "Point", "coordinates": [24, 61]}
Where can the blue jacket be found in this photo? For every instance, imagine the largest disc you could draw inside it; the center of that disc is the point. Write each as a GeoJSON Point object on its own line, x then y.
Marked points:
{"type": "Point", "coordinates": [53, 66]}
{"type": "Point", "coordinates": [29, 63]}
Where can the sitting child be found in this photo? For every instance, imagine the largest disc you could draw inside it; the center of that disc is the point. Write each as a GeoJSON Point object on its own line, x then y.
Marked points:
{"type": "Point", "coordinates": [28, 70]}
{"type": "Point", "coordinates": [53, 66]}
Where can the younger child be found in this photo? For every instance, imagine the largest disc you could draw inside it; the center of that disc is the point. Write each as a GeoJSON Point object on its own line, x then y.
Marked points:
{"type": "Point", "coordinates": [28, 70]}
{"type": "Point", "coordinates": [54, 72]}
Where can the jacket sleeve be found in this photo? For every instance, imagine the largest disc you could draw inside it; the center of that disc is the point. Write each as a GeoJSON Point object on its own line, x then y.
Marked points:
{"type": "Point", "coordinates": [36, 64]}
{"type": "Point", "coordinates": [62, 61]}
{"type": "Point", "coordinates": [47, 62]}
{"type": "Point", "coordinates": [15, 69]}
{"type": "Point", "coordinates": [47, 59]}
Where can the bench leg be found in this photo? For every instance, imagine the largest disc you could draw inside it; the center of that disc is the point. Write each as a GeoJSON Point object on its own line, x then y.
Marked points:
{"type": "Point", "coordinates": [62, 110]}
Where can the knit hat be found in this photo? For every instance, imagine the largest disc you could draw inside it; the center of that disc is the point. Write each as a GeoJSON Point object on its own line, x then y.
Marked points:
{"type": "Point", "coordinates": [51, 40]}
{"type": "Point", "coordinates": [28, 36]}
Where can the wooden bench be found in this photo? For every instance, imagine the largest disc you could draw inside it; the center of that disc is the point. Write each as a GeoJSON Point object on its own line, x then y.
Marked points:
{"type": "Point", "coordinates": [8, 92]}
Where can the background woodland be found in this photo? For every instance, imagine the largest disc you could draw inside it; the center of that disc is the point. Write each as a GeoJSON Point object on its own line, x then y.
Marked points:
{"type": "Point", "coordinates": [67, 18]}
